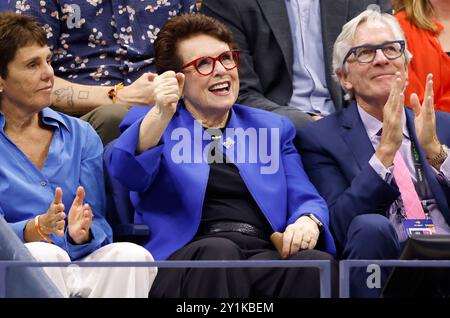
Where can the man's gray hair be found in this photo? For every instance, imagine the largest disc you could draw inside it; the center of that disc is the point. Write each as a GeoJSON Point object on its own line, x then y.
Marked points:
{"type": "Point", "coordinates": [344, 41]}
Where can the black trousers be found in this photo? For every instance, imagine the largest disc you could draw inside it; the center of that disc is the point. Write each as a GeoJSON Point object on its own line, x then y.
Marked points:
{"type": "Point", "coordinates": [239, 282]}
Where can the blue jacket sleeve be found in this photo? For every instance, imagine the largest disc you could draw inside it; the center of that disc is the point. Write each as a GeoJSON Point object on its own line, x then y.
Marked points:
{"type": "Point", "coordinates": [134, 171]}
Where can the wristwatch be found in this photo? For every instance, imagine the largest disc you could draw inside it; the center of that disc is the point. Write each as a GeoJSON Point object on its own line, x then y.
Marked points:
{"type": "Point", "coordinates": [440, 158]}
{"type": "Point", "coordinates": [316, 220]}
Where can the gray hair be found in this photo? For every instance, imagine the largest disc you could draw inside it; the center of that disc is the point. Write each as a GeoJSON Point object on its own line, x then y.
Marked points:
{"type": "Point", "coordinates": [344, 41]}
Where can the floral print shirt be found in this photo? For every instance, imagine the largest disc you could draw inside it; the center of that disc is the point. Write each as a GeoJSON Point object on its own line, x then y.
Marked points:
{"type": "Point", "coordinates": [102, 42]}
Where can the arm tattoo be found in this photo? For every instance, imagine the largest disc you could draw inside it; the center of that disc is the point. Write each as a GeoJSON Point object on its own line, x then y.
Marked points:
{"type": "Point", "coordinates": [83, 95]}
{"type": "Point", "coordinates": [65, 95]}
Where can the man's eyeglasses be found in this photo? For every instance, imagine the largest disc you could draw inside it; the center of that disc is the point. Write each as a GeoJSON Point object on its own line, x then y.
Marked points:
{"type": "Point", "coordinates": [205, 65]}
{"type": "Point", "coordinates": [366, 53]}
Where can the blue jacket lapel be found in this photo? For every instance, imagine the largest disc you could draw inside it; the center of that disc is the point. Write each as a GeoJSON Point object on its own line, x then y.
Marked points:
{"type": "Point", "coordinates": [355, 136]}
{"type": "Point", "coordinates": [263, 187]}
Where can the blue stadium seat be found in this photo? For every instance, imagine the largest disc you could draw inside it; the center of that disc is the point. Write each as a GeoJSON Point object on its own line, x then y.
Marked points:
{"type": "Point", "coordinates": [119, 210]}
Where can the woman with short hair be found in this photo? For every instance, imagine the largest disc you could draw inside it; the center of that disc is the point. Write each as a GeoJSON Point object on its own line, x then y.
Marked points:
{"type": "Point", "coordinates": [51, 177]}
{"type": "Point", "coordinates": [213, 180]}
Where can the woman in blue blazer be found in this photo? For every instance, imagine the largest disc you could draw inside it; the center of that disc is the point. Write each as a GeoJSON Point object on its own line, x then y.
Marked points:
{"type": "Point", "coordinates": [214, 180]}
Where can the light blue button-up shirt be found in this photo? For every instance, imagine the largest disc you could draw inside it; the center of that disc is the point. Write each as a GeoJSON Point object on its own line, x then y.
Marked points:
{"type": "Point", "coordinates": [373, 126]}
{"type": "Point", "coordinates": [74, 158]}
{"type": "Point", "coordinates": [310, 92]}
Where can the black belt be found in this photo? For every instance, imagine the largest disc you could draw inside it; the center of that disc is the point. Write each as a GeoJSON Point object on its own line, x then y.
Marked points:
{"type": "Point", "coordinates": [244, 228]}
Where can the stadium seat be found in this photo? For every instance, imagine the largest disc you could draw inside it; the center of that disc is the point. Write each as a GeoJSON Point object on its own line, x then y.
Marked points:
{"type": "Point", "coordinates": [119, 210]}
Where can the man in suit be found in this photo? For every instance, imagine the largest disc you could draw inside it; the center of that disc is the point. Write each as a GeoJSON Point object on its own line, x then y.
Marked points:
{"type": "Point", "coordinates": [285, 60]}
{"type": "Point", "coordinates": [352, 156]}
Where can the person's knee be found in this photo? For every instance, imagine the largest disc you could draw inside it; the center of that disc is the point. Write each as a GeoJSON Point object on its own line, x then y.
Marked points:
{"type": "Point", "coordinates": [371, 236]}
{"type": "Point", "coordinates": [317, 256]}
{"type": "Point", "coordinates": [311, 255]}
{"type": "Point", "coordinates": [45, 252]}
{"type": "Point", "coordinates": [124, 252]}
{"type": "Point", "coordinates": [128, 252]}
{"type": "Point", "coordinates": [217, 248]}
{"type": "Point", "coordinates": [371, 226]}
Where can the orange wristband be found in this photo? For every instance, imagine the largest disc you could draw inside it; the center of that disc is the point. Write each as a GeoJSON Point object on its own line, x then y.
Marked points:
{"type": "Point", "coordinates": [112, 93]}
{"type": "Point", "coordinates": [38, 229]}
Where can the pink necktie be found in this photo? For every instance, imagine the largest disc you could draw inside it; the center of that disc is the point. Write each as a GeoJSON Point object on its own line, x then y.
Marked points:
{"type": "Point", "coordinates": [411, 202]}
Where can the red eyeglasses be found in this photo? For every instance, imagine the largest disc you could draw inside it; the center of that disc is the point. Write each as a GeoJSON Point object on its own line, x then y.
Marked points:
{"type": "Point", "coordinates": [205, 65]}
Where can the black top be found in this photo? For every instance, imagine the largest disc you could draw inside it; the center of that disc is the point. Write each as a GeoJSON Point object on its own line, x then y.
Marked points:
{"type": "Point", "coordinates": [227, 198]}
{"type": "Point", "coordinates": [448, 53]}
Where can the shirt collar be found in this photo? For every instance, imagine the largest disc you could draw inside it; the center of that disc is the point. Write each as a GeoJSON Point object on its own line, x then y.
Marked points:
{"type": "Point", "coordinates": [49, 117]}
{"type": "Point", "coordinates": [373, 125]}
{"type": "Point", "coordinates": [53, 118]}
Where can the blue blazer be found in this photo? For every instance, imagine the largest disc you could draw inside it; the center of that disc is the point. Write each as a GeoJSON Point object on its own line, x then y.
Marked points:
{"type": "Point", "coordinates": [168, 195]}
{"type": "Point", "coordinates": [336, 151]}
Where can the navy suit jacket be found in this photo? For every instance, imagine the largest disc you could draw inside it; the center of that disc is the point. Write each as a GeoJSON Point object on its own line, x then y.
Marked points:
{"type": "Point", "coordinates": [168, 195]}
{"type": "Point", "coordinates": [336, 151]}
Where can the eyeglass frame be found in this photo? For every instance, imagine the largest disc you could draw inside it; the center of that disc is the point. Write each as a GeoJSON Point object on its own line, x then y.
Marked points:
{"type": "Point", "coordinates": [376, 47]}
{"type": "Point", "coordinates": [215, 59]}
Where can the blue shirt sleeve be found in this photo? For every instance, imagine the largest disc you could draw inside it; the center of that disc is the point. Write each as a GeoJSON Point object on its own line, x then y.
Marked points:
{"type": "Point", "coordinates": [381, 170]}
{"type": "Point", "coordinates": [134, 171]}
{"type": "Point", "coordinates": [444, 172]}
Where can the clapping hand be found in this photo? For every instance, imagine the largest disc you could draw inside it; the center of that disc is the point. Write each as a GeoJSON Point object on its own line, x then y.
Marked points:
{"type": "Point", "coordinates": [425, 120]}
{"type": "Point", "coordinates": [392, 134]}
{"type": "Point", "coordinates": [80, 218]}
{"type": "Point", "coordinates": [53, 221]}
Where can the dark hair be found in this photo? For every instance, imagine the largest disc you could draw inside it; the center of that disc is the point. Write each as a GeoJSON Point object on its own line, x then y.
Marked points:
{"type": "Point", "coordinates": [182, 28]}
{"type": "Point", "coordinates": [17, 31]}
